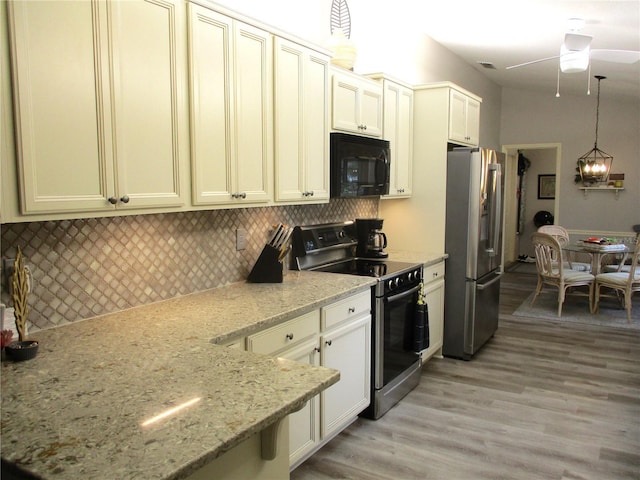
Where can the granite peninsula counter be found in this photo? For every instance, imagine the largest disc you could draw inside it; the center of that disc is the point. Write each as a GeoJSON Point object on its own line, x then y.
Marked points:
{"type": "Point", "coordinates": [77, 410]}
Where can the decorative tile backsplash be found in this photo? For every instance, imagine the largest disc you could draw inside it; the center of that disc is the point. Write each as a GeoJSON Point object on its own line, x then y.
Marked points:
{"type": "Point", "coordinates": [87, 267]}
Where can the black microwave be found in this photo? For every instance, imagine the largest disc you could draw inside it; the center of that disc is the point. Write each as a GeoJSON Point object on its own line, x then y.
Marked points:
{"type": "Point", "coordinates": [360, 166]}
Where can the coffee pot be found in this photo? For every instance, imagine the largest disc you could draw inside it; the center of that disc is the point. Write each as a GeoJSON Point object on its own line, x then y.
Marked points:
{"type": "Point", "coordinates": [371, 240]}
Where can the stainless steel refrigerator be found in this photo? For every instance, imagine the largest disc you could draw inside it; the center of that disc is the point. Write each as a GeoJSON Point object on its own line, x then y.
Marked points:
{"type": "Point", "coordinates": [473, 239]}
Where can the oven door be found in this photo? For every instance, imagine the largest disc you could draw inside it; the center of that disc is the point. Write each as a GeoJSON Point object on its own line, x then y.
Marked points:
{"type": "Point", "coordinates": [395, 318]}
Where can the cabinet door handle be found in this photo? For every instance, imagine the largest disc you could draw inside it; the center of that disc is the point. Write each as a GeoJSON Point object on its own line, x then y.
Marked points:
{"type": "Point", "coordinates": [352, 309]}
{"type": "Point", "coordinates": [316, 349]}
{"type": "Point", "coordinates": [243, 195]}
{"type": "Point", "coordinates": [289, 336]}
{"type": "Point", "coordinates": [124, 199]}
{"type": "Point", "coordinates": [112, 200]}
{"type": "Point", "coordinates": [328, 343]}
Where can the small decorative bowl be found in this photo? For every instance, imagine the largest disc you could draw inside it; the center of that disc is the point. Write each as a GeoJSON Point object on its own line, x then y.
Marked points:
{"type": "Point", "coordinates": [19, 351]}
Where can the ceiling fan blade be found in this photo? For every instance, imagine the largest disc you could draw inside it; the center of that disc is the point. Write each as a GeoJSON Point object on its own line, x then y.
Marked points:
{"type": "Point", "coordinates": [577, 41]}
{"type": "Point", "coordinates": [532, 62]}
{"type": "Point", "coordinates": [616, 56]}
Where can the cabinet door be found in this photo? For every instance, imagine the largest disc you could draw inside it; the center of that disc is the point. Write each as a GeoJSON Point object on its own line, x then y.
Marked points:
{"type": "Point", "coordinates": [473, 121]}
{"type": "Point", "coordinates": [149, 82]}
{"type": "Point", "coordinates": [345, 105]}
{"type": "Point", "coordinates": [458, 117]}
{"type": "Point", "coordinates": [316, 127]}
{"type": "Point", "coordinates": [252, 120]}
{"type": "Point", "coordinates": [304, 425]}
{"type": "Point", "coordinates": [61, 92]}
{"type": "Point", "coordinates": [371, 110]}
{"type": "Point", "coordinates": [212, 152]}
{"type": "Point", "coordinates": [434, 297]}
{"type": "Point", "coordinates": [347, 349]}
{"type": "Point", "coordinates": [289, 124]}
{"type": "Point", "coordinates": [398, 129]}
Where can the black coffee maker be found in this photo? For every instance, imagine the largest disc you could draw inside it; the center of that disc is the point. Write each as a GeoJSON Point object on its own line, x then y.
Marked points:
{"type": "Point", "coordinates": [371, 241]}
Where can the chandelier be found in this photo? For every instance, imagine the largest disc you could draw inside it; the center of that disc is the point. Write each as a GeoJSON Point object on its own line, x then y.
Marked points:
{"type": "Point", "coordinates": [595, 165]}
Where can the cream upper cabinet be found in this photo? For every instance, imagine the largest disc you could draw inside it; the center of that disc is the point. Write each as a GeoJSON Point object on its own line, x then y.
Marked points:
{"type": "Point", "coordinates": [231, 106]}
{"type": "Point", "coordinates": [356, 104]}
{"type": "Point", "coordinates": [100, 104]}
{"type": "Point", "coordinates": [431, 136]}
{"type": "Point", "coordinates": [301, 112]}
{"type": "Point", "coordinates": [398, 129]}
{"type": "Point", "coordinates": [464, 118]}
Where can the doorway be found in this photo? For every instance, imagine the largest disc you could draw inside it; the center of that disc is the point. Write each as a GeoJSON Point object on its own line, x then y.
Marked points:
{"type": "Point", "coordinates": [522, 194]}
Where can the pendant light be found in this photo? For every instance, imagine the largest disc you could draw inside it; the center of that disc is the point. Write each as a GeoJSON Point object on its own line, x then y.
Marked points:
{"type": "Point", "coordinates": [595, 165]}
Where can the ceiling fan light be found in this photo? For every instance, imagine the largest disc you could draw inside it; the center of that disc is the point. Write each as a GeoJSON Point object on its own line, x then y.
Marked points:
{"type": "Point", "coordinates": [573, 61]}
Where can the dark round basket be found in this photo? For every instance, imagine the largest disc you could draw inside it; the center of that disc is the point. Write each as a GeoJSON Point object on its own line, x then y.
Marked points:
{"type": "Point", "coordinates": [18, 351]}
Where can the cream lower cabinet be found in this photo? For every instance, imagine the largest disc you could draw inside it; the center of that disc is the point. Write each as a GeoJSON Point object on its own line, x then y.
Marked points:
{"type": "Point", "coordinates": [356, 104]}
{"type": "Point", "coordinates": [301, 112]}
{"type": "Point", "coordinates": [231, 108]}
{"type": "Point", "coordinates": [100, 101]}
{"type": "Point", "coordinates": [336, 336]}
{"type": "Point", "coordinates": [434, 297]}
{"type": "Point", "coordinates": [344, 348]}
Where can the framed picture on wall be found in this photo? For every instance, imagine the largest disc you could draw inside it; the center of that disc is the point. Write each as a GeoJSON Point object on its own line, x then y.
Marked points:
{"type": "Point", "coordinates": [546, 187]}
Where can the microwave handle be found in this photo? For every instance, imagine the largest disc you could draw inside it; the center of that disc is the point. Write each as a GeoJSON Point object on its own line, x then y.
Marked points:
{"type": "Point", "coordinates": [382, 168]}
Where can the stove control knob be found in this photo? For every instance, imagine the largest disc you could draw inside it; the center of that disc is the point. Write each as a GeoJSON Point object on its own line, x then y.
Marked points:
{"type": "Point", "coordinates": [411, 276]}
{"type": "Point", "coordinates": [399, 281]}
{"type": "Point", "coordinates": [390, 285]}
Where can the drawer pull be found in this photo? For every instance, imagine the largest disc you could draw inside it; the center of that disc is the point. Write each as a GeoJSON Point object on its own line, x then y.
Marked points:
{"type": "Point", "coordinates": [289, 336]}
{"type": "Point", "coordinates": [328, 343]}
{"type": "Point", "coordinates": [352, 309]}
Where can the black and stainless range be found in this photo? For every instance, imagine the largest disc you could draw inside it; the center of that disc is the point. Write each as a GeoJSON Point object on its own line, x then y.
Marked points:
{"type": "Point", "coordinates": [395, 368]}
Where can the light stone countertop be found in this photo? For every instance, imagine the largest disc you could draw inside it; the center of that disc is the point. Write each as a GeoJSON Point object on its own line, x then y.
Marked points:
{"type": "Point", "coordinates": [75, 411]}
{"type": "Point", "coordinates": [426, 258]}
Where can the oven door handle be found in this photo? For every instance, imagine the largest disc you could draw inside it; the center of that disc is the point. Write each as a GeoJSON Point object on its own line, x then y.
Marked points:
{"type": "Point", "coordinates": [403, 294]}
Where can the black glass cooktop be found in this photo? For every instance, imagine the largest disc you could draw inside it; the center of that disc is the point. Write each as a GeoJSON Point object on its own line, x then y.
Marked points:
{"type": "Point", "coordinates": [368, 268]}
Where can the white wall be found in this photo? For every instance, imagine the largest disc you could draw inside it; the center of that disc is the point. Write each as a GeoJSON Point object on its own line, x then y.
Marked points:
{"type": "Point", "coordinates": [533, 117]}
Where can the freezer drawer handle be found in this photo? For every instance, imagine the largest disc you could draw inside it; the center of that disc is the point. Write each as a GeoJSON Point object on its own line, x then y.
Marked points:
{"type": "Point", "coordinates": [482, 286]}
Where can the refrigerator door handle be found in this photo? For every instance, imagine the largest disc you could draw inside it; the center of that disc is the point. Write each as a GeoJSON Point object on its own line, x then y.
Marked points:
{"type": "Point", "coordinates": [482, 286]}
{"type": "Point", "coordinates": [496, 206]}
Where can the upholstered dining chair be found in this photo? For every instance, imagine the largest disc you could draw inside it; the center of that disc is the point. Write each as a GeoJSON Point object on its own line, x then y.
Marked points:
{"type": "Point", "coordinates": [562, 235]}
{"type": "Point", "coordinates": [551, 270]}
{"type": "Point", "coordinates": [622, 282]}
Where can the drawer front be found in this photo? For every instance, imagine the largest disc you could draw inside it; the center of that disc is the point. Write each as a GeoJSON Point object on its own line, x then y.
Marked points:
{"type": "Point", "coordinates": [346, 309]}
{"type": "Point", "coordinates": [285, 335]}
{"type": "Point", "coordinates": [434, 272]}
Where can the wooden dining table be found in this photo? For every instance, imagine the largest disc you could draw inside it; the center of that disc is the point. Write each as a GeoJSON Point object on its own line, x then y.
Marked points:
{"type": "Point", "coordinates": [597, 252]}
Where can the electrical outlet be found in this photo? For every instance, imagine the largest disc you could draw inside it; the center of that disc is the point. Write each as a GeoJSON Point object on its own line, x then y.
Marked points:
{"type": "Point", "coordinates": [9, 321]}
{"type": "Point", "coordinates": [241, 238]}
{"type": "Point", "coordinates": [7, 270]}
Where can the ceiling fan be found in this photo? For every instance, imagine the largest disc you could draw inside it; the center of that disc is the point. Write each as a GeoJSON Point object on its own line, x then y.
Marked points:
{"type": "Point", "coordinates": [576, 54]}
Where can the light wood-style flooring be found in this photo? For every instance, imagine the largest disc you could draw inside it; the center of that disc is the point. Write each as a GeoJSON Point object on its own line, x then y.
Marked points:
{"type": "Point", "coordinates": [542, 400]}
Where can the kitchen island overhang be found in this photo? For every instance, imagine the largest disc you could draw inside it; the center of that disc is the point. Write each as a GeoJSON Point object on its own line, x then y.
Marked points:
{"type": "Point", "coordinates": [80, 409]}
